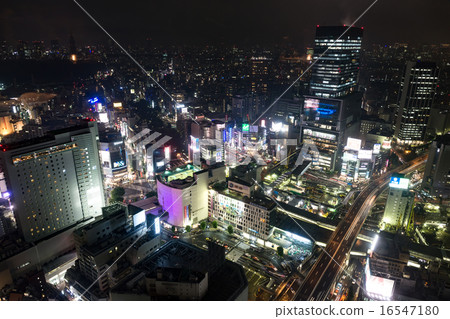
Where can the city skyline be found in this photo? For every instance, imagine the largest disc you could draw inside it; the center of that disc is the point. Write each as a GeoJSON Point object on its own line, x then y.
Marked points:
{"type": "Point", "coordinates": [222, 162]}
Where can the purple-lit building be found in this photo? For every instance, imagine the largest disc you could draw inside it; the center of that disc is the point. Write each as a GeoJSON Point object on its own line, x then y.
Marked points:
{"type": "Point", "coordinates": [183, 193]}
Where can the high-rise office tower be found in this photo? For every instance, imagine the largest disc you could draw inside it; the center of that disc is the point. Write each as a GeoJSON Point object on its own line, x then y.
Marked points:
{"type": "Point", "coordinates": [416, 94]}
{"type": "Point", "coordinates": [259, 73]}
{"type": "Point", "coordinates": [335, 74]}
{"type": "Point", "coordinates": [436, 178]}
{"type": "Point", "coordinates": [326, 124]}
{"type": "Point", "coordinates": [54, 182]}
{"type": "Point", "coordinates": [247, 107]}
{"type": "Point", "coordinates": [397, 212]}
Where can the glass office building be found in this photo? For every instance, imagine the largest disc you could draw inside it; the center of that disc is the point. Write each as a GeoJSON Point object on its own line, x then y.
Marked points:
{"type": "Point", "coordinates": [335, 74]}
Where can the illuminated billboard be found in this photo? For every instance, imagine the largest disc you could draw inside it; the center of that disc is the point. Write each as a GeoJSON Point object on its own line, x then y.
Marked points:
{"type": "Point", "coordinates": [118, 158]}
{"type": "Point", "coordinates": [399, 182]}
{"type": "Point", "coordinates": [349, 156]}
{"type": "Point", "coordinates": [157, 225]}
{"type": "Point", "coordinates": [379, 287]}
{"type": "Point", "coordinates": [254, 128]}
{"type": "Point", "coordinates": [311, 103]}
{"type": "Point", "coordinates": [279, 127]}
{"type": "Point", "coordinates": [167, 153]}
{"type": "Point", "coordinates": [103, 117]}
{"type": "Point", "coordinates": [321, 111]}
{"type": "Point", "coordinates": [159, 164]}
{"type": "Point", "coordinates": [187, 217]}
{"type": "Point", "coordinates": [365, 154]}
{"type": "Point", "coordinates": [195, 144]}
{"type": "Point", "coordinates": [386, 145]}
{"type": "Point", "coordinates": [318, 134]}
{"type": "Point", "coordinates": [105, 157]}
{"type": "Point", "coordinates": [353, 144]}
{"type": "Point", "coordinates": [376, 148]}
{"type": "Point", "coordinates": [119, 164]}
{"type": "Point", "coordinates": [139, 218]}
{"type": "Point", "coordinates": [93, 100]}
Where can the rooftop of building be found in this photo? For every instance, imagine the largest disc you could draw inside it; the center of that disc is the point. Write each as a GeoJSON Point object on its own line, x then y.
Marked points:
{"type": "Point", "coordinates": [113, 237]}
{"type": "Point", "coordinates": [226, 279]}
{"type": "Point", "coordinates": [315, 218]}
{"type": "Point", "coordinates": [241, 181]}
{"type": "Point", "coordinates": [443, 139]}
{"type": "Point", "coordinates": [171, 274]}
{"type": "Point", "coordinates": [336, 31]}
{"type": "Point", "coordinates": [257, 198]}
{"type": "Point", "coordinates": [372, 118]}
{"type": "Point", "coordinates": [299, 227]}
{"type": "Point", "coordinates": [110, 136]}
{"type": "Point", "coordinates": [381, 131]}
{"type": "Point", "coordinates": [149, 204]}
{"type": "Point", "coordinates": [49, 136]}
{"type": "Point", "coordinates": [181, 177]}
{"type": "Point", "coordinates": [391, 245]}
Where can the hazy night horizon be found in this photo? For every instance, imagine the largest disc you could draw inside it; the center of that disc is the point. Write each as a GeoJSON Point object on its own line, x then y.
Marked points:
{"type": "Point", "coordinates": [231, 22]}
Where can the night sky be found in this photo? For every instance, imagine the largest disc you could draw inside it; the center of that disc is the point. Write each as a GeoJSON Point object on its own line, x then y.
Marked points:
{"type": "Point", "coordinates": [229, 21]}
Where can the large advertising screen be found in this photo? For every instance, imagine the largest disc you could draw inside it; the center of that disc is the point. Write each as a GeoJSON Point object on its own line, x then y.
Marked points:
{"type": "Point", "coordinates": [308, 132]}
{"type": "Point", "coordinates": [353, 144]}
{"type": "Point", "coordinates": [157, 225]}
{"type": "Point", "coordinates": [399, 182]}
{"type": "Point", "coordinates": [103, 117]}
{"type": "Point", "coordinates": [321, 111]}
{"type": "Point", "coordinates": [386, 144]}
{"type": "Point", "coordinates": [139, 218]}
{"type": "Point", "coordinates": [118, 158]}
{"type": "Point", "coordinates": [195, 144]}
{"type": "Point", "coordinates": [365, 154]}
{"type": "Point", "coordinates": [349, 156]}
{"type": "Point", "coordinates": [280, 127]}
{"type": "Point", "coordinates": [376, 148]}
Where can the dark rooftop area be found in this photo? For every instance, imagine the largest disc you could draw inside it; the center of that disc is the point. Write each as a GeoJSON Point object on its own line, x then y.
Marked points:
{"type": "Point", "coordinates": [226, 279]}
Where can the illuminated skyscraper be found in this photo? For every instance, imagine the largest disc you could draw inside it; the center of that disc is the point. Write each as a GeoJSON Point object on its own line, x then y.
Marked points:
{"type": "Point", "coordinates": [417, 90]}
{"type": "Point", "coordinates": [436, 177]}
{"type": "Point", "coordinates": [327, 123]}
{"type": "Point", "coordinates": [399, 203]}
{"type": "Point", "coordinates": [54, 182]}
{"type": "Point", "coordinates": [335, 74]}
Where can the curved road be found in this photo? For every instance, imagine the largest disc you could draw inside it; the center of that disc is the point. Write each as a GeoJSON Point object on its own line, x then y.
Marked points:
{"type": "Point", "coordinates": [317, 284]}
